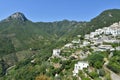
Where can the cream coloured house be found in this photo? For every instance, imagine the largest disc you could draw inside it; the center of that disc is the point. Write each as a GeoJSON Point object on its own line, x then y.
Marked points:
{"type": "Point", "coordinates": [56, 52]}
{"type": "Point", "coordinates": [79, 66]}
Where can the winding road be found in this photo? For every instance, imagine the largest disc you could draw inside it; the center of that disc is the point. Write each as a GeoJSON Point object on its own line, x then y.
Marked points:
{"type": "Point", "coordinates": [113, 75]}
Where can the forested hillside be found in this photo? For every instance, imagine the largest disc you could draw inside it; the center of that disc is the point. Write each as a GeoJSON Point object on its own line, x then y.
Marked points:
{"type": "Point", "coordinates": [22, 40]}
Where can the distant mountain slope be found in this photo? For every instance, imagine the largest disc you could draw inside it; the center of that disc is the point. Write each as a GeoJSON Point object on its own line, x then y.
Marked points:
{"type": "Point", "coordinates": [21, 33]}
{"type": "Point", "coordinates": [25, 34]}
{"type": "Point", "coordinates": [105, 19]}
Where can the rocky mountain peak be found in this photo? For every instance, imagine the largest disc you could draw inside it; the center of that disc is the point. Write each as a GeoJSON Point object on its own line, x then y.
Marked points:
{"type": "Point", "coordinates": [17, 16]}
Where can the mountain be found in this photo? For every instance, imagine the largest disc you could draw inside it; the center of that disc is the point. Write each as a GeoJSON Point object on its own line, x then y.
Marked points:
{"type": "Point", "coordinates": [106, 18]}
{"type": "Point", "coordinates": [24, 34]}
{"type": "Point", "coordinates": [20, 38]}
{"type": "Point", "coordinates": [16, 16]}
{"type": "Point", "coordinates": [19, 33]}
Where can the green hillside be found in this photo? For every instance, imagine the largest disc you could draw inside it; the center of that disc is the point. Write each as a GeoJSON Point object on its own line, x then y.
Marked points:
{"type": "Point", "coordinates": [22, 41]}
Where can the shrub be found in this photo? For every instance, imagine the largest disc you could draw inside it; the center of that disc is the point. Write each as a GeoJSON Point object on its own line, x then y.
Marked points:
{"type": "Point", "coordinates": [93, 75]}
{"type": "Point", "coordinates": [101, 72]}
{"type": "Point", "coordinates": [42, 77]}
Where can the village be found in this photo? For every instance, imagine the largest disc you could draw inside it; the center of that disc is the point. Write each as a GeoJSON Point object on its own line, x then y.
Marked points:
{"type": "Point", "coordinates": [104, 39]}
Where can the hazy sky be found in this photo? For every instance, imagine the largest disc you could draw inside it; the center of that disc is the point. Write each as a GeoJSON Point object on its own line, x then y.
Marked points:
{"type": "Point", "coordinates": [55, 10]}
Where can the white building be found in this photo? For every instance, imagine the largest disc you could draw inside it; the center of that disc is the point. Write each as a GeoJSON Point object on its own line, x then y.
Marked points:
{"type": "Point", "coordinates": [105, 48]}
{"type": "Point", "coordinates": [79, 66]}
{"type": "Point", "coordinates": [86, 43]}
{"type": "Point", "coordinates": [56, 52]}
{"type": "Point", "coordinates": [118, 48]}
{"type": "Point", "coordinates": [99, 31]}
{"type": "Point", "coordinates": [87, 36]}
{"type": "Point", "coordinates": [76, 41]}
{"type": "Point", "coordinates": [113, 29]}
{"type": "Point", "coordinates": [69, 45]}
{"type": "Point", "coordinates": [112, 41]}
{"type": "Point", "coordinates": [92, 34]}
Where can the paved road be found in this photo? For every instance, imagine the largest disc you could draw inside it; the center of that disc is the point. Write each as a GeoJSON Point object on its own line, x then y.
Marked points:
{"type": "Point", "coordinates": [113, 75]}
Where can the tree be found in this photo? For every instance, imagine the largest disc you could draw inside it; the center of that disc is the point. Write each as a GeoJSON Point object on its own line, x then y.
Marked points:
{"type": "Point", "coordinates": [98, 64]}
{"type": "Point", "coordinates": [96, 60]}
{"type": "Point", "coordinates": [101, 72]}
{"type": "Point", "coordinates": [114, 62]}
{"type": "Point", "coordinates": [93, 75]}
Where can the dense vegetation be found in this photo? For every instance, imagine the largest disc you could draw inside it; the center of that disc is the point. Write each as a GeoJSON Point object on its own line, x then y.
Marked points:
{"type": "Point", "coordinates": [6, 46]}
{"type": "Point", "coordinates": [96, 60]}
{"type": "Point", "coordinates": [114, 63]}
{"type": "Point", "coordinates": [22, 41]}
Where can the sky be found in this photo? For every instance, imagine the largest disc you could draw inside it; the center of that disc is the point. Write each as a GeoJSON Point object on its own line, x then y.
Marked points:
{"type": "Point", "coordinates": [57, 10]}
